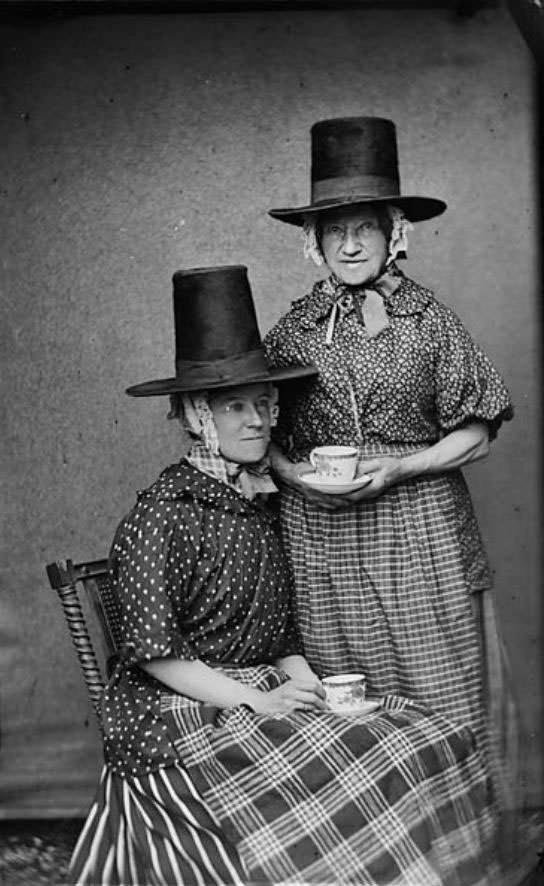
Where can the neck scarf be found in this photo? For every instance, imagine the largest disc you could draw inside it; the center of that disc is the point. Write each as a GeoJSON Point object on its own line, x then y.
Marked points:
{"type": "Point", "coordinates": [249, 480]}
{"type": "Point", "coordinates": [366, 301]}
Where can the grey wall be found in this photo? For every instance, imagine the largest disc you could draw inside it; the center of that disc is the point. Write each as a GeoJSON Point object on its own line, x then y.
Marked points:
{"type": "Point", "coordinates": [136, 145]}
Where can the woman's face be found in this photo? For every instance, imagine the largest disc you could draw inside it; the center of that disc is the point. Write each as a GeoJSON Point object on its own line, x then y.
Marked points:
{"type": "Point", "coordinates": [242, 419]}
{"type": "Point", "coordinates": [353, 244]}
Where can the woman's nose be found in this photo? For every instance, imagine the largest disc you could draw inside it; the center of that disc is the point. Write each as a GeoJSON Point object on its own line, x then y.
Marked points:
{"type": "Point", "coordinates": [254, 417]}
{"type": "Point", "coordinates": [351, 244]}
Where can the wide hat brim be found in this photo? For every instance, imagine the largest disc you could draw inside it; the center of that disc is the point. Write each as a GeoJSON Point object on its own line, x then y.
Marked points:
{"type": "Point", "coordinates": [164, 386]}
{"type": "Point", "coordinates": [415, 208]}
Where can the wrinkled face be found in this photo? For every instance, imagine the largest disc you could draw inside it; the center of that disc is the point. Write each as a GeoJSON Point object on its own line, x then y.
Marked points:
{"type": "Point", "coordinates": [353, 244]}
{"type": "Point", "coordinates": [242, 418]}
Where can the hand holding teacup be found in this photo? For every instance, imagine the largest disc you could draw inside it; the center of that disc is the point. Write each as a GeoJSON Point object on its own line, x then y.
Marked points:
{"type": "Point", "coordinates": [386, 471]}
{"type": "Point", "coordinates": [328, 476]}
{"type": "Point", "coordinates": [337, 465]}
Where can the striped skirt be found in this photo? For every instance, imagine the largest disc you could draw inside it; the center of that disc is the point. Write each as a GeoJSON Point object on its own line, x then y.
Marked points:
{"type": "Point", "coordinates": [153, 830]}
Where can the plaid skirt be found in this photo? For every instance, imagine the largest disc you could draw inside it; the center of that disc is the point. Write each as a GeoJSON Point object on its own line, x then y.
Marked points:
{"type": "Point", "coordinates": [384, 587]}
{"type": "Point", "coordinates": [398, 797]}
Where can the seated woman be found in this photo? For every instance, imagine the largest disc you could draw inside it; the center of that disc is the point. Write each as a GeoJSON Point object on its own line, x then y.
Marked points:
{"type": "Point", "coordinates": [224, 763]}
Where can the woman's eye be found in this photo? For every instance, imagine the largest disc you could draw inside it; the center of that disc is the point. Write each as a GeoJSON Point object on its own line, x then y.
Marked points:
{"type": "Point", "coordinates": [234, 406]}
{"type": "Point", "coordinates": [263, 405]}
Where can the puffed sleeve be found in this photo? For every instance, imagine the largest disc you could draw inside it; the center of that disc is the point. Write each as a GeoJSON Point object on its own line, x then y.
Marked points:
{"type": "Point", "coordinates": [151, 561]}
{"type": "Point", "coordinates": [468, 386]}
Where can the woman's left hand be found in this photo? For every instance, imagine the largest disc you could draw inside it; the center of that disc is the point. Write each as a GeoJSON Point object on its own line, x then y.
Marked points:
{"type": "Point", "coordinates": [385, 472]}
{"type": "Point", "coordinates": [296, 666]}
{"type": "Point", "coordinates": [452, 451]}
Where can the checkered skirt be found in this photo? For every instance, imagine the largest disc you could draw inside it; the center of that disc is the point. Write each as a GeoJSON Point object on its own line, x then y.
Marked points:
{"type": "Point", "coordinates": [384, 587]}
{"type": "Point", "coordinates": [398, 798]}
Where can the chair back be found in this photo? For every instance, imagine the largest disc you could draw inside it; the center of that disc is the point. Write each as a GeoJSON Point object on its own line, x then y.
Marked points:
{"type": "Point", "coordinates": [81, 586]}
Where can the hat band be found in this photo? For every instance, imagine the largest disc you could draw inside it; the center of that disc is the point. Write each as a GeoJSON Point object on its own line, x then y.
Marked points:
{"type": "Point", "coordinates": [207, 372]}
{"type": "Point", "coordinates": [354, 186]}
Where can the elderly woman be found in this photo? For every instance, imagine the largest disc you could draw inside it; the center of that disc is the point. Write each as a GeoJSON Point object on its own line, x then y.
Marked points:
{"type": "Point", "coordinates": [224, 763]}
{"type": "Point", "coordinates": [391, 579]}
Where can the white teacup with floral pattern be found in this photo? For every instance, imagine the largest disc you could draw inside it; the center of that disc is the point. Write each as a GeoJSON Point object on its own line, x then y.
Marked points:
{"type": "Point", "coordinates": [335, 464]}
{"type": "Point", "coordinates": [345, 692]}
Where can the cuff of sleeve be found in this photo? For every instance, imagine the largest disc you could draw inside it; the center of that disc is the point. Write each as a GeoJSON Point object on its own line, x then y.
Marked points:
{"type": "Point", "coordinates": [147, 648]}
{"type": "Point", "coordinates": [493, 423]}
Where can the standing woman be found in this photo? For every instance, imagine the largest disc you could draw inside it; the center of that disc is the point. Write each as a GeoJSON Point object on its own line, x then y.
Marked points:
{"type": "Point", "coordinates": [391, 579]}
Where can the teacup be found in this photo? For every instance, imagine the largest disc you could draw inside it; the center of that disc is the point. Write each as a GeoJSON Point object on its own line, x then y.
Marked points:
{"type": "Point", "coordinates": [345, 691]}
{"type": "Point", "coordinates": [335, 463]}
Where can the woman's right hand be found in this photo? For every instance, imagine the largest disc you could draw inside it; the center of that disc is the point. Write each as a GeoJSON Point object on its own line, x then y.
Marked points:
{"type": "Point", "coordinates": [294, 695]}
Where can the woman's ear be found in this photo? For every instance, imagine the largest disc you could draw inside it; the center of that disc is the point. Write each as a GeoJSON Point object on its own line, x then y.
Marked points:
{"type": "Point", "coordinates": [274, 405]}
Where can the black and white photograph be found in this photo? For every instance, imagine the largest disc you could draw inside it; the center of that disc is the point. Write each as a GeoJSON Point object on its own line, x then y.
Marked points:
{"type": "Point", "coordinates": [271, 278]}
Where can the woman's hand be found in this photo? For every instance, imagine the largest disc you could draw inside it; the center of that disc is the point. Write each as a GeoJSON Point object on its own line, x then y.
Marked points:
{"type": "Point", "coordinates": [295, 695]}
{"type": "Point", "coordinates": [296, 667]}
{"type": "Point", "coordinates": [455, 450]}
{"type": "Point", "coordinates": [385, 472]}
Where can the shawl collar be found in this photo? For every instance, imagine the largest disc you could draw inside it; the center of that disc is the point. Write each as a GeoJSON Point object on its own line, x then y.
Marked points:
{"type": "Point", "coordinates": [182, 481]}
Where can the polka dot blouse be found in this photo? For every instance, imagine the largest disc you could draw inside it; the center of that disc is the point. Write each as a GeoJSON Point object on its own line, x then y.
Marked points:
{"type": "Point", "coordinates": [420, 377]}
{"type": "Point", "coordinates": [199, 573]}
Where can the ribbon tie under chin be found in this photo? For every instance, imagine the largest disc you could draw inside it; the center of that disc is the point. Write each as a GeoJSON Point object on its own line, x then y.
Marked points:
{"type": "Point", "coordinates": [369, 307]}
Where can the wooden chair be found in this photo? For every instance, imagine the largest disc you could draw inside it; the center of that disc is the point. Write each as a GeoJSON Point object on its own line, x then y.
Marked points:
{"type": "Point", "coordinates": [87, 588]}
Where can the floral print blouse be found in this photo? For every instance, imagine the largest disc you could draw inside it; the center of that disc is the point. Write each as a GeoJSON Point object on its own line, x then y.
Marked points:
{"type": "Point", "coordinates": [199, 573]}
{"type": "Point", "coordinates": [419, 378]}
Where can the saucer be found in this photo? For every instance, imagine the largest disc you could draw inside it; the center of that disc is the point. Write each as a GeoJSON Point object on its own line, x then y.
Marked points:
{"type": "Point", "coordinates": [361, 709]}
{"type": "Point", "coordinates": [312, 480]}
